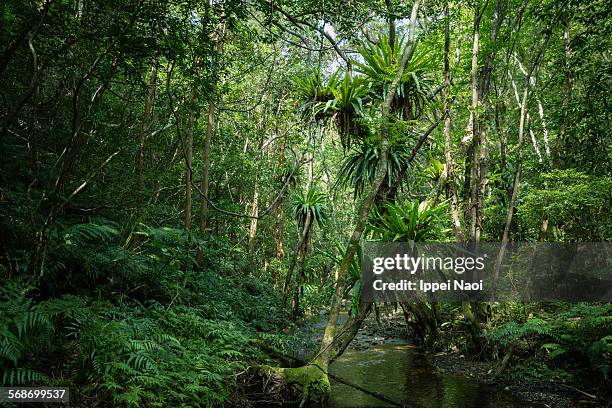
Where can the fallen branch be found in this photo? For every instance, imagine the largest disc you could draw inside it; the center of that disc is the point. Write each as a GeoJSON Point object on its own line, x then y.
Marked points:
{"type": "Point", "coordinates": [586, 394]}
{"type": "Point", "coordinates": [505, 362]}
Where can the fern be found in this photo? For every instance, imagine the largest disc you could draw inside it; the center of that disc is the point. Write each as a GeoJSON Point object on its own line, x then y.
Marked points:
{"type": "Point", "coordinates": [88, 233]}
{"type": "Point", "coordinates": [23, 329]}
{"type": "Point", "coordinates": [21, 376]}
{"type": "Point", "coordinates": [512, 332]}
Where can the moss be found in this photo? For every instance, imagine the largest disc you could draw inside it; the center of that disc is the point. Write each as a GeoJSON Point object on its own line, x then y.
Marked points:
{"type": "Point", "coordinates": [313, 381]}
{"type": "Point", "coordinates": [310, 380]}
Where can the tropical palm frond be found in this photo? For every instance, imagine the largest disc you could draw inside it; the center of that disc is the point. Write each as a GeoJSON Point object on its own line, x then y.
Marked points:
{"type": "Point", "coordinates": [381, 63]}
{"type": "Point", "coordinates": [408, 221]}
{"type": "Point", "coordinates": [358, 169]}
{"type": "Point", "coordinates": [348, 108]}
{"type": "Point", "coordinates": [312, 202]}
{"type": "Point", "coordinates": [314, 92]}
{"type": "Point", "coordinates": [339, 98]}
{"type": "Point", "coordinates": [79, 234]}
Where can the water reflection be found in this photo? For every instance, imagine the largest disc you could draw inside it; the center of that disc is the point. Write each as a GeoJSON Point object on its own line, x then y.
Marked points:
{"type": "Point", "coordinates": [404, 375]}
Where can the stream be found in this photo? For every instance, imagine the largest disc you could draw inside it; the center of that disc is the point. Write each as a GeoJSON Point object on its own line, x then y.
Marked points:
{"type": "Point", "coordinates": [402, 373]}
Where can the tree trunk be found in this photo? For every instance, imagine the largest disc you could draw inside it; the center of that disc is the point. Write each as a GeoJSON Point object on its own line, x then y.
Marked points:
{"type": "Point", "coordinates": [255, 204]}
{"type": "Point", "coordinates": [146, 125]}
{"type": "Point", "coordinates": [279, 221]}
{"type": "Point", "coordinates": [519, 167]}
{"type": "Point", "coordinates": [255, 215]}
{"type": "Point", "coordinates": [188, 168]}
{"type": "Point", "coordinates": [279, 208]}
{"type": "Point", "coordinates": [299, 278]}
{"type": "Point", "coordinates": [448, 141]}
{"type": "Point", "coordinates": [188, 179]}
{"type": "Point", "coordinates": [13, 46]}
{"type": "Point", "coordinates": [210, 117]}
{"type": "Point", "coordinates": [349, 330]}
{"type": "Point", "coordinates": [301, 243]}
{"type": "Point", "coordinates": [567, 89]}
{"type": "Point", "coordinates": [210, 121]}
{"type": "Point", "coordinates": [515, 188]}
{"type": "Point", "coordinates": [473, 132]}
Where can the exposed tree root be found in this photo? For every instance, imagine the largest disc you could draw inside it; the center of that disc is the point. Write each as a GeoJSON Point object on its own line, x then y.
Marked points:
{"type": "Point", "coordinates": [282, 386]}
{"type": "Point", "coordinates": [293, 386]}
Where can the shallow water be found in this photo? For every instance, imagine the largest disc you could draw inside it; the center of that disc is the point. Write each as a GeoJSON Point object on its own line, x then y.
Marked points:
{"type": "Point", "coordinates": [402, 373]}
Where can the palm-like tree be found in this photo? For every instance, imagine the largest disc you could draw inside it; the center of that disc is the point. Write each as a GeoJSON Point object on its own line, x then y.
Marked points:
{"type": "Point", "coordinates": [381, 64]}
{"type": "Point", "coordinates": [347, 108]}
{"type": "Point", "coordinates": [407, 221]}
{"type": "Point", "coordinates": [358, 168]}
{"type": "Point", "coordinates": [339, 99]}
{"type": "Point", "coordinates": [313, 92]}
{"type": "Point", "coordinates": [308, 208]}
{"type": "Point", "coordinates": [378, 68]}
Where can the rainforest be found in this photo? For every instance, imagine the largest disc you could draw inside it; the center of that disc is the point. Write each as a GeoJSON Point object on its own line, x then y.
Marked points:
{"type": "Point", "coordinates": [188, 189]}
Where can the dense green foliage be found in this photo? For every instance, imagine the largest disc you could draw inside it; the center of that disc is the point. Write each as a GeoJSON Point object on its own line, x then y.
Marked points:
{"type": "Point", "coordinates": [181, 181]}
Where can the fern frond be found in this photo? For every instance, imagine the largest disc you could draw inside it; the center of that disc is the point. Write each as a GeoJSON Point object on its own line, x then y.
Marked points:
{"type": "Point", "coordinates": [20, 376]}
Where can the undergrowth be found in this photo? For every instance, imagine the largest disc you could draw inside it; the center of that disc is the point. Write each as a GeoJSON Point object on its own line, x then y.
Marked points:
{"type": "Point", "coordinates": [575, 338]}
{"type": "Point", "coordinates": [148, 329]}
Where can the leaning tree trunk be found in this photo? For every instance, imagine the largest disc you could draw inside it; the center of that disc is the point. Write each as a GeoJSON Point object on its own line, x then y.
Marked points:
{"type": "Point", "coordinates": [312, 379]}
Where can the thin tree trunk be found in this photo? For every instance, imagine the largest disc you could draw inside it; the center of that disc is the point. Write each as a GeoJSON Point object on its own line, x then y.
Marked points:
{"type": "Point", "coordinates": [279, 210]}
{"type": "Point", "coordinates": [519, 166]}
{"type": "Point", "coordinates": [515, 188]}
{"type": "Point", "coordinates": [473, 126]}
{"type": "Point", "coordinates": [567, 89]}
{"type": "Point", "coordinates": [391, 24]}
{"type": "Point", "coordinates": [68, 157]}
{"type": "Point", "coordinates": [189, 161]}
{"type": "Point", "coordinates": [255, 215]}
{"type": "Point", "coordinates": [300, 245]}
{"type": "Point", "coordinates": [210, 123]}
{"type": "Point", "coordinates": [299, 279]}
{"type": "Point", "coordinates": [255, 204]}
{"type": "Point", "coordinates": [480, 88]}
{"type": "Point", "coordinates": [13, 46]}
{"type": "Point", "coordinates": [188, 167]}
{"type": "Point", "coordinates": [146, 125]}
{"type": "Point", "coordinates": [448, 142]}
{"type": "Point", "coordinates": [204, 183]}
{"type": "Point", "coordinates": [481, 118]}
{"type": "Point", "coordinates": [279, 221]}
{"type": "Point", "coordinates": [349, 330]}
